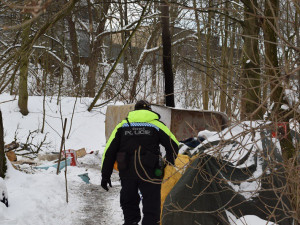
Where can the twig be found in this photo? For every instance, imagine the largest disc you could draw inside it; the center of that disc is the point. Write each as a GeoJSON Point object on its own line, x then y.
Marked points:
{"type": "Point", "coordinates": [9, 100]}
{"type": "Point", "coordinates": [118, 59]}
{"type": "Point", "coordinates": [72, 115]}
{"type": "Point", "coordinates": [62, 145]}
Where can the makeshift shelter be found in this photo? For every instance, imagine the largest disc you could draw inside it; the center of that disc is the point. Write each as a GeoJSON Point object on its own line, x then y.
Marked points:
{"type": "Point", "coordinates": [216, 186]}
{"type": "Point", "coordinates": [173, 174]}
{"type": "Point", "coordinates": [182, 122]}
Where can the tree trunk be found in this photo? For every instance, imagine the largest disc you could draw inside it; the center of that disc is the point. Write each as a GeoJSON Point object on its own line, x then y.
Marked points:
{"type": "Point", "coordinates": [272, 69]}
{"type": "Point", "coordinates": [153, 77]}
{"type": "Point", "coordinates": [167, 59]}
{"type": "Point", "coordinates": [141, 63]}
{"type": "Point", "coordinates": [289, 152]}
{"type": "Point", "coordinates": [208, 76]}
{"type": "Point", "coordinates": [297, 32]}
{"type": "Point", "coordinates": [26, 48]}
{"type": "Point", "coordinates": [271, 59]}
{"type": "Point", "coordinates": [3, 166]}
{"type": "Point", "coordinates": [24, 61]}
{"type": "Point", "coordinates": [251, 93]}
{"type": "Point", "coordinates": [61, 73]}
{"type": "Point", "coordinates": [125, 35]}
{"type": "Point", "coordinates": [154, 91]}
{"type": "Point", "coordinates": [44, 98]}
{"type": "Point", "coordinates": [75, 53]}
{"type": "Point", "coordinates": [230, 102]}
{"type": "Point", "coordinates": [224, 70]}
{"type": "Point", "coordinates": [96, 52]}
{"type": "Point", "coordinates": [199, 49]}
{"type": "Point", "coordinates": [12, 87]}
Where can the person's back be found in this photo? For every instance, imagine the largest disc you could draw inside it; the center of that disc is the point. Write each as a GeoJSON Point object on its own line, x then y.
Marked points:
{"type": "Point", "coordinates": [134, 144]}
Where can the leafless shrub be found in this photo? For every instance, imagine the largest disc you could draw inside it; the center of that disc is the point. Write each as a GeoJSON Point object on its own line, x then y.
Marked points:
{"type": "Point", "coordinates": [29, 149]}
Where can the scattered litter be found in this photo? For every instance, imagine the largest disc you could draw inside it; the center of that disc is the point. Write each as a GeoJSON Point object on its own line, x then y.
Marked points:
{"type": "Point", "coordinates": [70, 153]}
{"type": "Point", "coordinates": [61, 165]}
{"type": "Point", "coordinates": [85, 177]}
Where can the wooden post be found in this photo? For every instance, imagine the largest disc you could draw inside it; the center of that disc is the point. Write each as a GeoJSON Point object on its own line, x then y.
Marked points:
{"type": "Point", "coordinates": [67, 194]}
{"type": "Point", "coordinates": [62, 145]}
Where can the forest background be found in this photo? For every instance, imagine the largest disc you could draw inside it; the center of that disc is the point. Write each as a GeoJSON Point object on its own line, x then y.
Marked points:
{"type": "Point", "coordinates": [240, 57]}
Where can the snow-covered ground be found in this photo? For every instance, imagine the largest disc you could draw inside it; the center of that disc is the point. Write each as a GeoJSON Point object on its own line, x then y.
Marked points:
{"type": "Point", "coordinates": [87, 128]}
{"type": "Point", "coordinates": [39, 196]}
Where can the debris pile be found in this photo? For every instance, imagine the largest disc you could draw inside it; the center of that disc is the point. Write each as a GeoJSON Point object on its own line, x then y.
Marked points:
{"type": "Point", "coordinates": [27, 157]}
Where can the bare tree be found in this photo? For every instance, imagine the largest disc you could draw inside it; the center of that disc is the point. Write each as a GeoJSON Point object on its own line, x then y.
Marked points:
{"type": "Point", "coordinates": [250, 79]}
{"type": "Point", "coordinates": [24, 61]}
{"type": "Point", "coordinates": [143, 13]}
{"type": "Point", "coordinates": [74, 54]}
{"type": "Point", "coordinates": [96, 49]}
{"type": "Point", "coordinates": [167, 59]}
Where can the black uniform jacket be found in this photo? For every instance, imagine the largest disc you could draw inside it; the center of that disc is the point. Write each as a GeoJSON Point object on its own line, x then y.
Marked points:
{"type": "Point", "coordinates": [139, 137]}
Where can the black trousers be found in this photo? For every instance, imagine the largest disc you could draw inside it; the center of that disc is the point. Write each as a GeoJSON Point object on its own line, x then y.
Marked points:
{"type": "Point", "coordinates": [130, 200]}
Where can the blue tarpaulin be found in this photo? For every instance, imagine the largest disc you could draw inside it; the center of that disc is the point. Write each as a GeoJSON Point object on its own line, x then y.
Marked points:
{"type": "Point", "coordinates": [61, 165]}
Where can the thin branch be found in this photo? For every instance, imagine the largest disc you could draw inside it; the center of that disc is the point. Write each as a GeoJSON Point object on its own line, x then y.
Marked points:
{"type": "Point", "coordinates": [118, 58]}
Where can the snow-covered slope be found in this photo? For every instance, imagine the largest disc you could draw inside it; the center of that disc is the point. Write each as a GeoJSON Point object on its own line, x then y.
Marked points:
{"type": "Point", "coordinates": [40, 198]}
{"type": "Point", "coordinates": [86, 131]}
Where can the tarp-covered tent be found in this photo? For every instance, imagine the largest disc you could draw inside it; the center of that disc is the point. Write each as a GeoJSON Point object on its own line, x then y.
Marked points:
{"type": "Point", "coordinates": [216, 186]}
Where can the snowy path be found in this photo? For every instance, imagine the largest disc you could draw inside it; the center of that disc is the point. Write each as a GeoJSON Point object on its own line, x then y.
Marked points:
{"type": "Point", "coordinates": [99, 207]}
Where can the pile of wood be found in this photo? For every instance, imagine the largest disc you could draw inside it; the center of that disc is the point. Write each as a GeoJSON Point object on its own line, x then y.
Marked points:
{"type": "Point", "coordinates": [13, 147]}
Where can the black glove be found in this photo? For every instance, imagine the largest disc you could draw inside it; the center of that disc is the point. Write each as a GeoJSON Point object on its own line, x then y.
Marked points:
{"type": "Point", "coordinates": [104, 183]}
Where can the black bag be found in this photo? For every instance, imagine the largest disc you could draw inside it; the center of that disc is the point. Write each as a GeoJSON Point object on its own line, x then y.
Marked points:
{"type": "Point", "coordinates": [122, 160]}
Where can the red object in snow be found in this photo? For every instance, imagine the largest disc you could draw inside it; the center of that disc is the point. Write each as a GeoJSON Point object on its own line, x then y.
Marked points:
{"type": "Point", "coordinates": [280, 130]}
{"type": "Point", "coordinates": [71, 153]}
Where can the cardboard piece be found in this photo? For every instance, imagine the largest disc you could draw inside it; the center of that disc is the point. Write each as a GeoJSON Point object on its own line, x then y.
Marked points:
{"type": "Point", "coordinates": [80, 152]}
{"type": "Point", "coordinates": [11, 156]}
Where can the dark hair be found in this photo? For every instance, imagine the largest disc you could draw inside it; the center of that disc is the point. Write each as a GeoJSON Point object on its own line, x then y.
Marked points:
{"type": "Point", "coordinates": [142, 104]}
